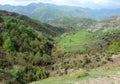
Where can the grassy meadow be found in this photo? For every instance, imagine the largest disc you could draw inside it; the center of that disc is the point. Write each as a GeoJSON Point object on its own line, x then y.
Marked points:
{"type": "Point", "coordinates": [77, 41]}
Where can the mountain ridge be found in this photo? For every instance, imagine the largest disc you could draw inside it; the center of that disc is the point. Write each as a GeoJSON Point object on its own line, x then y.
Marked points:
{"type": "Point", "coordinates": [45, 12]}
{"type": "Point", "coordinates": [42, 27]}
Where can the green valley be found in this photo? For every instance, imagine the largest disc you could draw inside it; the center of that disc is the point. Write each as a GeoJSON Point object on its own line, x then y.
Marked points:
{"type": "Point", "coordinates": [77, 41]}
{"type": "Point", "coordinates": [59, 44]}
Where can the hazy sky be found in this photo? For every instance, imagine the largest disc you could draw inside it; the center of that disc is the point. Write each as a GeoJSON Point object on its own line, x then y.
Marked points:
{"type": "Point", "coordinates": [82, 3]}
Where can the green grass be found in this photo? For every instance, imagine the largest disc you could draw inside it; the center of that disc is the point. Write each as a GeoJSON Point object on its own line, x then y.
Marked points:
{"type": "Point", "coordinates": [71, 79]}
{"type": "Point", "coordinates": [77, 41]}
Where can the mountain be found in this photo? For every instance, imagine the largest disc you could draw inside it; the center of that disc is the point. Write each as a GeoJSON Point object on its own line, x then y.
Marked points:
{"type": "Point", "coordinates": [45, 12]}
{"type": "Point", "coordinates": [107, 24]}
{"type": "Point", "coordinates": [42, 27]}
{"type": "Point", "coordinates": [102, 14]}
{"type": "Point", "coordinates": [76, 23]}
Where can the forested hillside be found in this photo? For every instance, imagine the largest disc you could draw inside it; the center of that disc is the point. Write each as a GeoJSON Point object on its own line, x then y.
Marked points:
{"type": "Point", "coordinates": [24, 51]}
{"type": "Point", "coordinates": [84, 56]}
{"type": "Point", "coordinates": [42, 27]}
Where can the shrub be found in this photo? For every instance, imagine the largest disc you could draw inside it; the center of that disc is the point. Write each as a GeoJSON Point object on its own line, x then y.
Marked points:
{"type": "Point", "coordinates": [82, 74]}
{"type": "Point", "coordinates": [8, 45]}
{"type": "Point", "coordinates": [115, 47]}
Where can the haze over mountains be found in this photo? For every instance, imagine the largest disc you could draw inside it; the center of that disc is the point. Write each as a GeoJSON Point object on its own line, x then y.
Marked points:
{"type": "Point", "coordinates": [44, 12]}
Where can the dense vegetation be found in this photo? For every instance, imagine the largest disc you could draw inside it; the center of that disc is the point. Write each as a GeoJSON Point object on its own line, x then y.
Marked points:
{"type": "Point", "coordinates": [29, 51]}
{"type": "Point", "coordinates": [42, 27]}
{"type": "Point", "coordinates": [85, 49]}
{"type": "Point", "coordinates": [24, 53]}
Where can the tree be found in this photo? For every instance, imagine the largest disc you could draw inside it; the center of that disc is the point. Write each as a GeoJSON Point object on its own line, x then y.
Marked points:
{"type": "Point", "coordinates": [8, 45]}
{"type": "Point", "coordinates": [46, 58]}
{"type": "Point", "coordinates": [40, 74]}
{"type": "Point", "coordinates": [5, 35]}
{"type": "Point", "coordinates": [1, 20]}
{"type": "Point", "coordinates": [37, 58]}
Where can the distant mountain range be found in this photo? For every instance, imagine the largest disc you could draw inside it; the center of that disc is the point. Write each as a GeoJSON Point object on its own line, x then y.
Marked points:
{"type": "Point", "coordinates": [45, 12]}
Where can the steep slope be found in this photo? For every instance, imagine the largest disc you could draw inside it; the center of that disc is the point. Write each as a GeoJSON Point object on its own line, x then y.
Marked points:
{"type": "Point", "coordinates": [24, 51]}
{"type": "Point", "coordinates": [44, 28]}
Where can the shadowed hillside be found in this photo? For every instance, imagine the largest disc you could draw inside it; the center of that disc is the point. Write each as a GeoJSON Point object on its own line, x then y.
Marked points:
{"type": "Point", "coordinates": [44, 28]}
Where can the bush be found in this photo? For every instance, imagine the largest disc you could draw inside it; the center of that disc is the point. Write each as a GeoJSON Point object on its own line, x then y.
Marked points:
{"type": "Point", "coordinates": [115, 47]}
{"type": "Point", "coordinates": [82, 74]}
{"type": "Point", "coordinates": [19, 73]}
{"type": "Point", "coordinates": [40, 74]}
